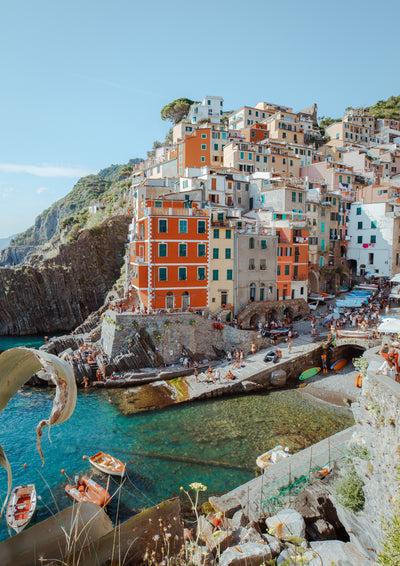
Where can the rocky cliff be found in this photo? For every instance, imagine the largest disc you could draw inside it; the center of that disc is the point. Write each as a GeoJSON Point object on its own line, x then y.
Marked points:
{"type": "Point", "coordinates": [58, 293]}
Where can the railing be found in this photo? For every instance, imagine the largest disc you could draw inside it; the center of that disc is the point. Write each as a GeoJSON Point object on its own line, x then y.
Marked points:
{"type": "Point", "coordinates": [169, 211]}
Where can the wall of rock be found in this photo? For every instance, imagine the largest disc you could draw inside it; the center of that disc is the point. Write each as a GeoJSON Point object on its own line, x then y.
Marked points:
{"type": "Point", "coordinates": [173, 333]}
{"type": "Point", "coordinates": [59, 293]}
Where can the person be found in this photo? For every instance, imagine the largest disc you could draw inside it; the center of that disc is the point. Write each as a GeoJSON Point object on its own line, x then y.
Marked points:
{"type": "Point", "coordinates": [253, 348]}
{"type": "Point", "coordinates": [86, 382]}
{"type": "Point", "coordinates": [324, 362]}
{"type": "Point", "coordinates": [196, 371]}
{"type": "Point", "coordinates": [290, 344]}
{"type": "Point", "coordinates": [217, 375]}
{"type": "Point", "coordinates": [388, 368]}
{"type": "Point", "coordinates": [209, 375]}
{"type": "Point", "coordinates": [229, 376]}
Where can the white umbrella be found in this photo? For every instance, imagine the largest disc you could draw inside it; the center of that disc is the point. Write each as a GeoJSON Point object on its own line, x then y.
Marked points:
{"type": "Point", "coordinates": [389, 326]}
{"type": "Point", "coordinates": [395, 278]}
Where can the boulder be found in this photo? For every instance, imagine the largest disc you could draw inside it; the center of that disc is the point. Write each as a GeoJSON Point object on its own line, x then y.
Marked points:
{"type": "Point", "coordinates": [278, 378]}
{"type": "Point", "coordinates": [239, 519]}
{"type": "Point", "coordinates": [204, 530]}
{"type": "Point", "coordinates": [337, 552]}
{"type": "Point", "coordinates": [248, 554]}
{"type": "Point", "coordinates": [250, 535]}
{"type": "Point", "coordinates": [286, 524]}
{"type": "Point", "coordinates": [320, 530]}
{"type": "Point", "coordinates": [227, 506]}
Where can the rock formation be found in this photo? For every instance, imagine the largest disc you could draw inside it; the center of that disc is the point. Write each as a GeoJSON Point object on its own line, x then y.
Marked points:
{"type": "Point", "coordinates": [61, 291]}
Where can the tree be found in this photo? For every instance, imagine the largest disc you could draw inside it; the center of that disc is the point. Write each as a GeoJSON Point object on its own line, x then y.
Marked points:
{"type": "Point", "coordinates": [176, 110]}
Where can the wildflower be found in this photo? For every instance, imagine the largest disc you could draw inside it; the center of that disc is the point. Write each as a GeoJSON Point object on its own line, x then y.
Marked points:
{"type": "Point", "coordinates": [156, 537]}
{"type": "Point", "coordinates": [218, 534]}
{"type": "Point", "coordinates": [196, 486]}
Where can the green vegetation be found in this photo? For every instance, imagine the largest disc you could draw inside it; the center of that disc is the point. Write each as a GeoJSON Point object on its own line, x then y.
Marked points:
{"type": "Point", "coordinates": [389, 108]}
{"type": "Point", "coordinates": [359, 451]}
{"type": "Point", "coordinates": [349, 490]}
{"type": "Point", "coordinates": [176, 110]}
{"type": "Point", "coordinates": [390, 551]}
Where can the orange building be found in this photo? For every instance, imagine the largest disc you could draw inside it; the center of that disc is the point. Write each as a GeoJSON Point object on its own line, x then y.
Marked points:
{"type": "Point", "coordinates": [169, 254]}
{"type": "Point", "coordinates": [203, 147]}
{"type": "Point", "coordinates": [292, 273]}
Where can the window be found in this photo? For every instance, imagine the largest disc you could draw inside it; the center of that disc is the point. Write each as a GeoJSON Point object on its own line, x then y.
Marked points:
{"type": "Point", "coordinates": [216, 233]}
{"type": "Point", "coordinates": [250, 156]}
{"type": "Point", "coordinates": [229, 274]}
{"type": "Point", "coordinates": [280, 252]}
{"type": "Point", "coordinates": [183, 226]}
{"type": "Point", "coordinates": [204, 136]}
{"type": "Point", "coordinates": [358, 212]}
{"type": "Point", "coordinates": [215, 147]}
{"type": "Point", "coordinates": [201, 273]}
{"type": "Point", "coordinates": [373, 223]}
{"type": "Point", "coordinates": [263, 264]}
{"type": "Point", "coordinates": [215, 275]}
{"type": "Point", "coordinates": [278, 271]}
{"type": "Point", "coordinates": [203, 159]}
{"type": "Point", "coordinates": [370, 259]}
{"type": "Point", "coordinates": [293, 197]}
{"type": "Point", "coordinates": [228, 253]}
{"type": "Point", "coordinates": [162, 225]}
{"type": "Point", "coordinates": [162, 250]}
{"type": "Point", "coordinates": [322, 211]}
{"type": "Point", "coordinates": [162, 273]}
{"type": "Point", "coordinates": [373, 239]}
{"type": "Point", "coordinates": [288, 252]}
{"type": "Point", "coordinates": [262, 293]}
{"type": "Point", "coordinates": [158, 204]}
{"type": "Point", "coordinates": [201, 226]}
{"type": "Point", "coordinates": [251, 264]}
{"type": "Point", "coordinates": [322, 246]}
{"type": "Point", "coordinates": [182, 273]}
{"type": "Point", "coordinates": [263, 244]}
{"type": "Point", "coordinates": [308, 207]}
{"type": "Point", "coordinates": [228, 234]}
{"type": "Point", "coordinates": [201, 250]}
{"type": "Point", "coordinates": [182, 250]}
{"type": "Point", "coordinates": [203, 146]}
{"type": "Point", "coordinates": [215, 253]}
{"type": "Point", "coordinates": [241, 155]}
{"type": "Point", "coordinates": [287, 269]}
{"type": "Point", "coordinates": [300, 197]}
{"type": "Point", "coordinates": [334, 200]}
{"type": "Point", "coordinates": [322, 227]}
{"type": "Point", "coordinates": [360, 225]}
{"type": "Point", "coordinates": [359, 239]}
{"type": "Point", "coordinates": [251, 243]}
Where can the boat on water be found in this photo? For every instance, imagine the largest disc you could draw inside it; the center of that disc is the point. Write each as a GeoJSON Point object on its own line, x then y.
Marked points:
{"type": "Point", "coordinates": [85, 489]}
{"type": "Point", "coordinates": [272, 457]}
{"type": "Point", "coordinates": [107, 464]}
{"type": "Point", "coordinates": [21, 507]}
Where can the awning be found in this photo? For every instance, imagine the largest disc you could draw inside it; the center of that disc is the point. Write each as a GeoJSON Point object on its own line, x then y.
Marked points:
{"type": "Point", "coordinates": [395, 278]}
{"type": "Point", "coordinates": [389, 326]}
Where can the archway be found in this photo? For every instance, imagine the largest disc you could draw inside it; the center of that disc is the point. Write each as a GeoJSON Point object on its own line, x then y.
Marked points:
{"type": "Point", "coordinates": [313, 282]}
{"type": "Point", "coordinates": [270, 315]}
{"type": "Point", "coordinates": [185, 300]}
{"type": "Point", "coordinates": [169, 300]}
{"type": "Point", "coordinates": [254, 320]}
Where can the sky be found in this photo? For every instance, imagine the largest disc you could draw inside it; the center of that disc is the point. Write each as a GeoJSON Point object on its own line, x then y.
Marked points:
{"type": "Point", "coordinates": [82, 83]}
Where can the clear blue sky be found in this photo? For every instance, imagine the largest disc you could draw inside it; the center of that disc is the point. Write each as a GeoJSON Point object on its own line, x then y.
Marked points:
{"type": "Point", "coordinates": [83, 82]}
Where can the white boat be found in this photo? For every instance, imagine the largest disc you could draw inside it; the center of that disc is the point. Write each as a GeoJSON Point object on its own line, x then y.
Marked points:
{"type": "Point", "coordinates": [272, 456]}
{"type": "Point", "coordinates": [21, 507]}
{"type": "Point", "coordinates": [108, 464]}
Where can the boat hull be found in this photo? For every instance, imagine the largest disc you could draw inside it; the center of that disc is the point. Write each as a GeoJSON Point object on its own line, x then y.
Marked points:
{"type": "Point", "coordinates": [309, 373]}
{"type": "Point", "coordinates": [21, 507]}
{"type": "Point", "coordinates": [88, 490]}
{"type": "Point", "coordinates": [107, 464]}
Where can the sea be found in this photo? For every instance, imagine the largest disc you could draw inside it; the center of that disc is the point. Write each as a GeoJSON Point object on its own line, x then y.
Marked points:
{"type": "Point", "coordinates": [215, 442]}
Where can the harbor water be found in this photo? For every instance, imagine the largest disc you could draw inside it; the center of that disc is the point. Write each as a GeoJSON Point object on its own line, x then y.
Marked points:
{"type": "Point", "coordinates": [214, 442]}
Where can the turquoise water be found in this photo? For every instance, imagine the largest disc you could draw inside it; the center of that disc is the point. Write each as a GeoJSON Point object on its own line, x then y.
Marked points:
{"type": "Point", "coordinates": [7, 342]}
{"type": "Point", "coordinates": [214, 442]}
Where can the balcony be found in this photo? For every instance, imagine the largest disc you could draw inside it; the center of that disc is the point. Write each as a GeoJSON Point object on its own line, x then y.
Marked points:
{"type": "Point", "coordinates": [164, 211]}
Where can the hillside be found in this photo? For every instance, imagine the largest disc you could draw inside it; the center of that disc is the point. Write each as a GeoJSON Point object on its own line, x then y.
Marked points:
{"type": "Point", "coordinates": [69, 215]}
{"type": "Point", "coordinates": [389, 108]}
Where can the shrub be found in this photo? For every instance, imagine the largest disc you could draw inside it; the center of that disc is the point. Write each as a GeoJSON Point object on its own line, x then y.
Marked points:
{"type": "Point", "coordinates": [359, 451]}
{"type": "Point", "coordinates": [349, 490]}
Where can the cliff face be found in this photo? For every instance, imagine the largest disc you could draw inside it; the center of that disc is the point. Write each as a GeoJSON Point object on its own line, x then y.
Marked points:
{"type": "Point", "coordinates": [57, 294]}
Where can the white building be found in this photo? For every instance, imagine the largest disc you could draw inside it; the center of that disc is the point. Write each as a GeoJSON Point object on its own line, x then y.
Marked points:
{"type": "Point", "coordinates": [372, 228]}
{"type": "Point", "coordinates": [210, 108]}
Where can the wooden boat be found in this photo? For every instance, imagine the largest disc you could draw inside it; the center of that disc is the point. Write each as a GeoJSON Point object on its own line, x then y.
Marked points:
{"type": "Point", "coordinates": [339, 364]}
{"type": "Point", "coordinates": [21, 506]}
{"type": "Point", "coordinates": [108, 464]}
{"type": "Point", "coordinates": [88, 490]}
{"type": "Point", "coordinates": [272, 457]}
{"type": "Point", "coordinates": [309, 373]}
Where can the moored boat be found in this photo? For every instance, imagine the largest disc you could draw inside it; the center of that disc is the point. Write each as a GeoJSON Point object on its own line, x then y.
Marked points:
{"type": "Point", "coordinates": [21, 507]}
{"type": "Point", "coordinates": [272, 457]}
{"type": "Point", "coordinates": [107, 464]}
{"type": "Point", "coordinates": [86, 489]}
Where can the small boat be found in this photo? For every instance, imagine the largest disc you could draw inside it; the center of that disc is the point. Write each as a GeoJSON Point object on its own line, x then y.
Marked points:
{"type": "Point", "coordinates": [272, 457]}
{"type": "Point", "coordinates": [309, 373]}
{"type": "Point", "coordinates": [107, 464]}
{"type": "Point", "coordinates": [21, 506]}
{"type": "Point", "coordinates": [86, 489]}
{"type": "Point", "coordinates": [339, 364]}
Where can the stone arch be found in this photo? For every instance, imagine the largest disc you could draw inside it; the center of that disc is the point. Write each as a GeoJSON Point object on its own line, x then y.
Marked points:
{"type": "Point", "coordinates": [271, 314]}
{"type": "Point", "coordinates": [313, 281]}
{"type": "Point", "coordinates": [288, 312]}
{"type": "Point", "coordinates": [254, 320]}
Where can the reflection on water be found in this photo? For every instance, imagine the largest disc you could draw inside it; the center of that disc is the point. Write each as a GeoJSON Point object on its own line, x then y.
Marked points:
{"type": "Point", "coordinates": [214, 442]}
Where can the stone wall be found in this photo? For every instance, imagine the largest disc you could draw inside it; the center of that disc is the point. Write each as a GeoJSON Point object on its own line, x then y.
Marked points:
{"type": "Point", "coordinates": [261, 311]}
{"type": "Point", "coordinates": [171, 333]}
{"type": "Point", "coordinates": [377, 418]}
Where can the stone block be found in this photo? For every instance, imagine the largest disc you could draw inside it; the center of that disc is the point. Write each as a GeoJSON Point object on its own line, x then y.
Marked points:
{"type": "Point", "coordinates": [278, 378]}
{"type": "Point", "coordinates": [227, 506]}
{"type": "Point", "coordinates": [337, 552]}
{"type": "Point", "coordinates": [248, 554]}
{"type": "Point", "coordinates": [286, 524]}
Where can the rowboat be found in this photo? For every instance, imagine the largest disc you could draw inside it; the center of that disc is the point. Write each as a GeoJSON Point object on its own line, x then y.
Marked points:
{"type": "Point", "coordinates": [272, 457]}
{"type": "Point", "coordinates": [21, 506]}
{"type": "Point", "coordinates": [86, 489]}
{"type": "Point", "coordinates": [107, 464]}
{"type": "Point", "coordinates": [339, 364]}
